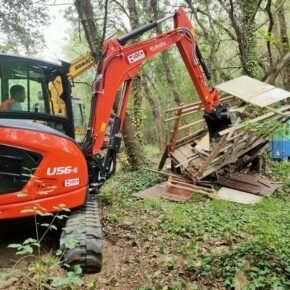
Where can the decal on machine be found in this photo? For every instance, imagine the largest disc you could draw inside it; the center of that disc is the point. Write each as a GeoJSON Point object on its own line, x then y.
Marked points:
{"type": "Point", "coordinates": [71, 182]}
{"type": "Point", "coordinates": [157, 46]}
{"type": "Point", "coordinates": [136, 56]}
{"type": "Point", "coordinates": [61, 170]}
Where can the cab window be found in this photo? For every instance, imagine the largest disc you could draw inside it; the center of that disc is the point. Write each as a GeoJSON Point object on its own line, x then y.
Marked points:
{"type": "Point", "coordinates": [31, 87]}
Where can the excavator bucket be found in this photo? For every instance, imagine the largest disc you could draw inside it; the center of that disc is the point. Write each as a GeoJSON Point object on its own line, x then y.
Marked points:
{"type": "Point", "coordinates": [193, 152]}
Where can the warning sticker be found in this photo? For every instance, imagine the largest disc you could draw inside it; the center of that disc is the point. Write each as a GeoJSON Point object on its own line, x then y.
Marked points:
{"type": "Point", "coordinates": [71, 182]}
{"type": "Point", "coordinates": [103, 127]}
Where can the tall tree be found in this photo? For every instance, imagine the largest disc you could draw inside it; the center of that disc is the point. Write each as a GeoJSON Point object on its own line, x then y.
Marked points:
{"type": "Point", "coordinates": [136, 89]}
{"type": "Point", "coordinates": [165, 57]}
{"type": "Point", "coordinates": [285, 44]}
{"type": "Point", "coordinates": [243, 19]}
{"type": "Point", "coordinates": [95, 38]}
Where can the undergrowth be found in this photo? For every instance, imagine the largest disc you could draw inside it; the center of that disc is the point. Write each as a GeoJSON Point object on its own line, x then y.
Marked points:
{"type": "Point", "coordinates": [198, 244]}
{"type": "Point", "coordinates": [221, 244]}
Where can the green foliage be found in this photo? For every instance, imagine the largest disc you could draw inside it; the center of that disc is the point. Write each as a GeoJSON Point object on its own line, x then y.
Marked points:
{"type": "Point", "coordinates": [39, 271]}
{"type": "Point", "coordinates": [270, 38]}
{"type": "Point", "coordinates": [267, 264]}
{"type": "Point", "coordinates": [72, 280]}
{"type": "Point", "coordinates": [21, 23]}
{"type": "Point", "coordinates": [26, 247]}
{"type": "Point", "coordinates": [8, 278]}
{"type": "Point", "coordinates": [124, 185]}
{"type": "Point", "coordinates": [217, 241]}
{"type": "Point", "coordinates": [267, 128]}
{"type": "Point", "coordinates": [262, 259]}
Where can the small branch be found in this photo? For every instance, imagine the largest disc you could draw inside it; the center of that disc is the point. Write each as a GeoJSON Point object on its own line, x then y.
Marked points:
{"type": "Point", "coordinates": [270, 27]}
{"type": "Point", "coordinates": [255, 12]}
{"type": "Point", "coordinates": [275, 70]}
{"type": "Point", "coordinates": [122, 8]}
{"type": "Point", "coordinates": [232, 36]}
{"type": "Point", "coordinates": [194, 11]}
{"type": "Point", "coordinates": [105, 22]}
{"type": "Point", "coordinates": [273, 13]}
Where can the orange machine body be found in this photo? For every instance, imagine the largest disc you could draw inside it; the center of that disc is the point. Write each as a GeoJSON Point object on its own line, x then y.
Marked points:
{"type": "Point", "coordinates": [60, 178]}
{"type": "Point", "coordinates": [63, 172]}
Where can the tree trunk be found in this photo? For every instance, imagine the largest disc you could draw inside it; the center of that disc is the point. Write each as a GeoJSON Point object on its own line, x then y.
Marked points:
{"type": "Point", "coordinates": [165, 56]}
{"type": "Point", "coordinates": [132, 144]}
{"type": "Point", "coordinates": [246, 38]}
{"type": "Point", "coordinates": [136, 90]}
{"type": "Point", "coordinates": [277, 68]}
{"type": "Point", "coordinates": [244, 27]}
{"type": "Point", "coordinates": [156, 113]}
{"type": "Point", "coordinates": [86, 16]}
{"type": "Point", "coordinates": [92, 33]}
{"type": "Point", "coordinates": [285, 72]}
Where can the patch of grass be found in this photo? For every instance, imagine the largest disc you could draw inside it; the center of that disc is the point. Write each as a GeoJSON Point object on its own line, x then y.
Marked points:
{"type": "Point", "coordinates": [265, 252]}
{"type": "Point", "coordinates": [212, 242]}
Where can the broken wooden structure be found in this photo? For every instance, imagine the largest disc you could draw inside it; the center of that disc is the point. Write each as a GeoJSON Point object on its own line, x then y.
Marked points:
{"type": "Point", "coordinates": [197, 158]}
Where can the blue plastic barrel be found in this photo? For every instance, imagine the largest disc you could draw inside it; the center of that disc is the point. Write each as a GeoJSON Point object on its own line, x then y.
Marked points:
{"type": "Point", "coordinates": [280, 145]}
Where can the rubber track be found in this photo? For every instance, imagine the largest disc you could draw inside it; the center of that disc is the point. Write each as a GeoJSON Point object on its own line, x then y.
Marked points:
{"type": "Point", "coordinates": [84, 227]}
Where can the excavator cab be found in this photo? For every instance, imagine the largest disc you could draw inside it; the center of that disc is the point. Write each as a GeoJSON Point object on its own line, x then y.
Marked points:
{"type": "Point", "coordinates": [47, 97]}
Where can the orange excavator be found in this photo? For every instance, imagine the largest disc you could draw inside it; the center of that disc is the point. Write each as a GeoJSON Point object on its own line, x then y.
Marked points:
{"type": "Point", "coordinates": [38, 153]}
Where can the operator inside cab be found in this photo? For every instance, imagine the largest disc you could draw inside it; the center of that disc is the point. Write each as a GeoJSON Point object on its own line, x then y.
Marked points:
{"type": "Point", "coordinates": [17, 96]}
{"type": "Point", "coordinates": [17, 93]}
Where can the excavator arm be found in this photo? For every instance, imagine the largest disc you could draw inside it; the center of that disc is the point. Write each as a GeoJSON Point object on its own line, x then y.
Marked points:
{"type": "Point", "coordinates": [120, 64]}
{"type": "Point", "coordinates": [80, 65]}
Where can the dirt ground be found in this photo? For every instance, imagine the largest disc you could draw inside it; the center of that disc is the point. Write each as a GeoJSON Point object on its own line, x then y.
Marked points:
{"type": "Point", "coordinates": [126, 265]}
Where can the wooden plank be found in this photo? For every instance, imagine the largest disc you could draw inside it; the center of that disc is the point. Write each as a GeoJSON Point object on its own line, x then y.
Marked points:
{"type": "Point", "coordinates": [276, 111]}
{"type": "Point", "coordinates": [185, 106]}
{"type": "Point", "coordinates": [254, 184]}
{"type": "Point", "coordinates": [191, 124]}
{"type": "Point", "coordinates": [197, 134]}
{"type": "Point", "coordinates": [180, 154]}
{"type": "Point", "coordinates": [211, 194]}
{"type": "Point", "coordinates": [217, 148]}
{"type": "Point", "coordinates": [183, 115]}
{"type": "Point", "coordinates": [173, 137]}
{"type": "Point", "coordinates": [236, 87]}
{"type": "Point", "coordinates": [164, 157]}
{"type": "Point", "coordinates": [230, 159]}
{"type": "Point", "coordinates": [189, 159]}
{"type": "Point", "coordinates": [223, 99]}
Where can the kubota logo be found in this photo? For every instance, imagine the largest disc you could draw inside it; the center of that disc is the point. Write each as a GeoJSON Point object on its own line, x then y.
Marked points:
{"type": "Point", "coordinates": [61, 170]}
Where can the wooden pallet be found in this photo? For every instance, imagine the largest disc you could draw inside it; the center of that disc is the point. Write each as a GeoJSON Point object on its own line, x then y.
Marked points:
{"type": "Point", "coordinates": [177, 188]}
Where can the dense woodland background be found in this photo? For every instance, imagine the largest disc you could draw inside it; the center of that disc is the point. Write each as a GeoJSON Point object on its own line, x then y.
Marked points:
{"type": "Point", "coordinates": [157, 244]}
{"type": "Point", "coordinates": [236, 37]}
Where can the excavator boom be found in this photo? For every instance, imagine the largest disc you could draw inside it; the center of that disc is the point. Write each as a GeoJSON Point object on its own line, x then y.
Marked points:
{"type": "Point", "coordinates": [120, 64]}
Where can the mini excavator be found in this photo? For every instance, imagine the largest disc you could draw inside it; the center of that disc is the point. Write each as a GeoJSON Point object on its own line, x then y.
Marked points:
{"type": "Point", "coordinates": [38, 151]}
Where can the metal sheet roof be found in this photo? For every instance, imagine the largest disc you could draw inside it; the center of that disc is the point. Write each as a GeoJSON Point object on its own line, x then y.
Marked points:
{"type": "Point", "coordinates": [254, 91]}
